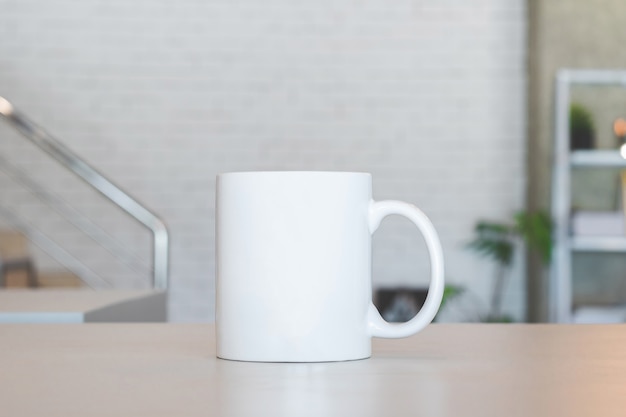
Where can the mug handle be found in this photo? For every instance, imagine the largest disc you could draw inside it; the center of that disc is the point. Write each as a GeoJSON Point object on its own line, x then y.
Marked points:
{"type": "Point", "coordinates": [378, 327]}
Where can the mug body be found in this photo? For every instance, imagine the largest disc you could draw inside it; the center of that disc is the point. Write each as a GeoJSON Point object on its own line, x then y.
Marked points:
{"type": "Point", "coordinates": [293, 262]}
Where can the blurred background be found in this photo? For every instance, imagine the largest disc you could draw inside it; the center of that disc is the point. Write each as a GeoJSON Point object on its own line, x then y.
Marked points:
{"type": "Point", "coordinates": [449, 104]}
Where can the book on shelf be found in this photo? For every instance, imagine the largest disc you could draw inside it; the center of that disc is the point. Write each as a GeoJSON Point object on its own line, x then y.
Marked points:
{"type": "Point", "coordinates": [598, 223]}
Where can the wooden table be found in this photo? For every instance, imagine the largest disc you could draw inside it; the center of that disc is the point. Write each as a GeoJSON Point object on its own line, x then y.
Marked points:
{"type": "Point", "coordinates": [81, 305]}
{"type": "Point", "coordinates": [135, 370]}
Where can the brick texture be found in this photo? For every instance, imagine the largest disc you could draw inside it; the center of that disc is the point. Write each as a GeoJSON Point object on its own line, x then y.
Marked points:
{"type": "Point", "coordinates": [428, 96]}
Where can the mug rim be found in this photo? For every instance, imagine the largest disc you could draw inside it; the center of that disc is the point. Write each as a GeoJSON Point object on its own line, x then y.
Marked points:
{"type": "Point", "coordinates": [297, 172]}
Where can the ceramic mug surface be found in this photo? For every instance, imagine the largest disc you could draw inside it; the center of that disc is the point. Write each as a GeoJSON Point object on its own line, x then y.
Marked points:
{"type": "Point", "coordinates": [293, 266]}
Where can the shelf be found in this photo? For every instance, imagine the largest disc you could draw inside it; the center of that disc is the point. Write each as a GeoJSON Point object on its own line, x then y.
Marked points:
{"type": "Point", "coordinates": [566, 161]}
{"type": "Point", "coordinates": [597, 158]}
{"type": "Point", "coordinates": [599, 314]}
{"type": "Point", "coordinates": [598, 244]}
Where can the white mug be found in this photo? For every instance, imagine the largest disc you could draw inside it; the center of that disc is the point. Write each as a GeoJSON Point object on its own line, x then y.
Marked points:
{"type": "Point", "coordinates": [293, 267]}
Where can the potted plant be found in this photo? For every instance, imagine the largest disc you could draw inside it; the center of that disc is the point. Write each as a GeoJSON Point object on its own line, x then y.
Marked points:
{"type": "Point", "coordinates": [581, 127]}
{"type": "Point", "coordinates": [496, 241]}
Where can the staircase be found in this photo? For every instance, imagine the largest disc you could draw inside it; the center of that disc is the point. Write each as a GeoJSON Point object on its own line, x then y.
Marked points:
{"type": "Point", "coordinates": [17, 266]}
{"type": "Point", "coordinates": [24, 238]}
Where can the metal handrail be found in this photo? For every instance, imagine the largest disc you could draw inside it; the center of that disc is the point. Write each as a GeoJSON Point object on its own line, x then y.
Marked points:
{"type": "Point", "coordinates": [71, 161]}
{"type": "Point", "coordinates": [76, 218]}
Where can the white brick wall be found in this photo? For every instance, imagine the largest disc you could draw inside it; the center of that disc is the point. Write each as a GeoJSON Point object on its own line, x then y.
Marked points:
{"type": "Point", "coordinates": [428, 96]}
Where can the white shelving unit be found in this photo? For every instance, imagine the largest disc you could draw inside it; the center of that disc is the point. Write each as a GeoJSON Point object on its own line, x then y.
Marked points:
{"type": "Point", "coordinates": [564, 243]}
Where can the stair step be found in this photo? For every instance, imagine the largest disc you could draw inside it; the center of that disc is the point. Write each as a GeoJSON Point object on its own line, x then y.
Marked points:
{"type": "Point", "coordinates": [13, 245]}
{"type": "Point", "coordinates": [19, 276]}
{"type": "Point", "coordinates": [58, 279]}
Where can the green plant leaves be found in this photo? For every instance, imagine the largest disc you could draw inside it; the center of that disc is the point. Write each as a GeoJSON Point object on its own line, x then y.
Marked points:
{"type": "Point", "coordinates": [496, 240]}
{"type": "Point", "coordinates": [536, 230]}
{"type": "Point", "coordinates": [580, 119]}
